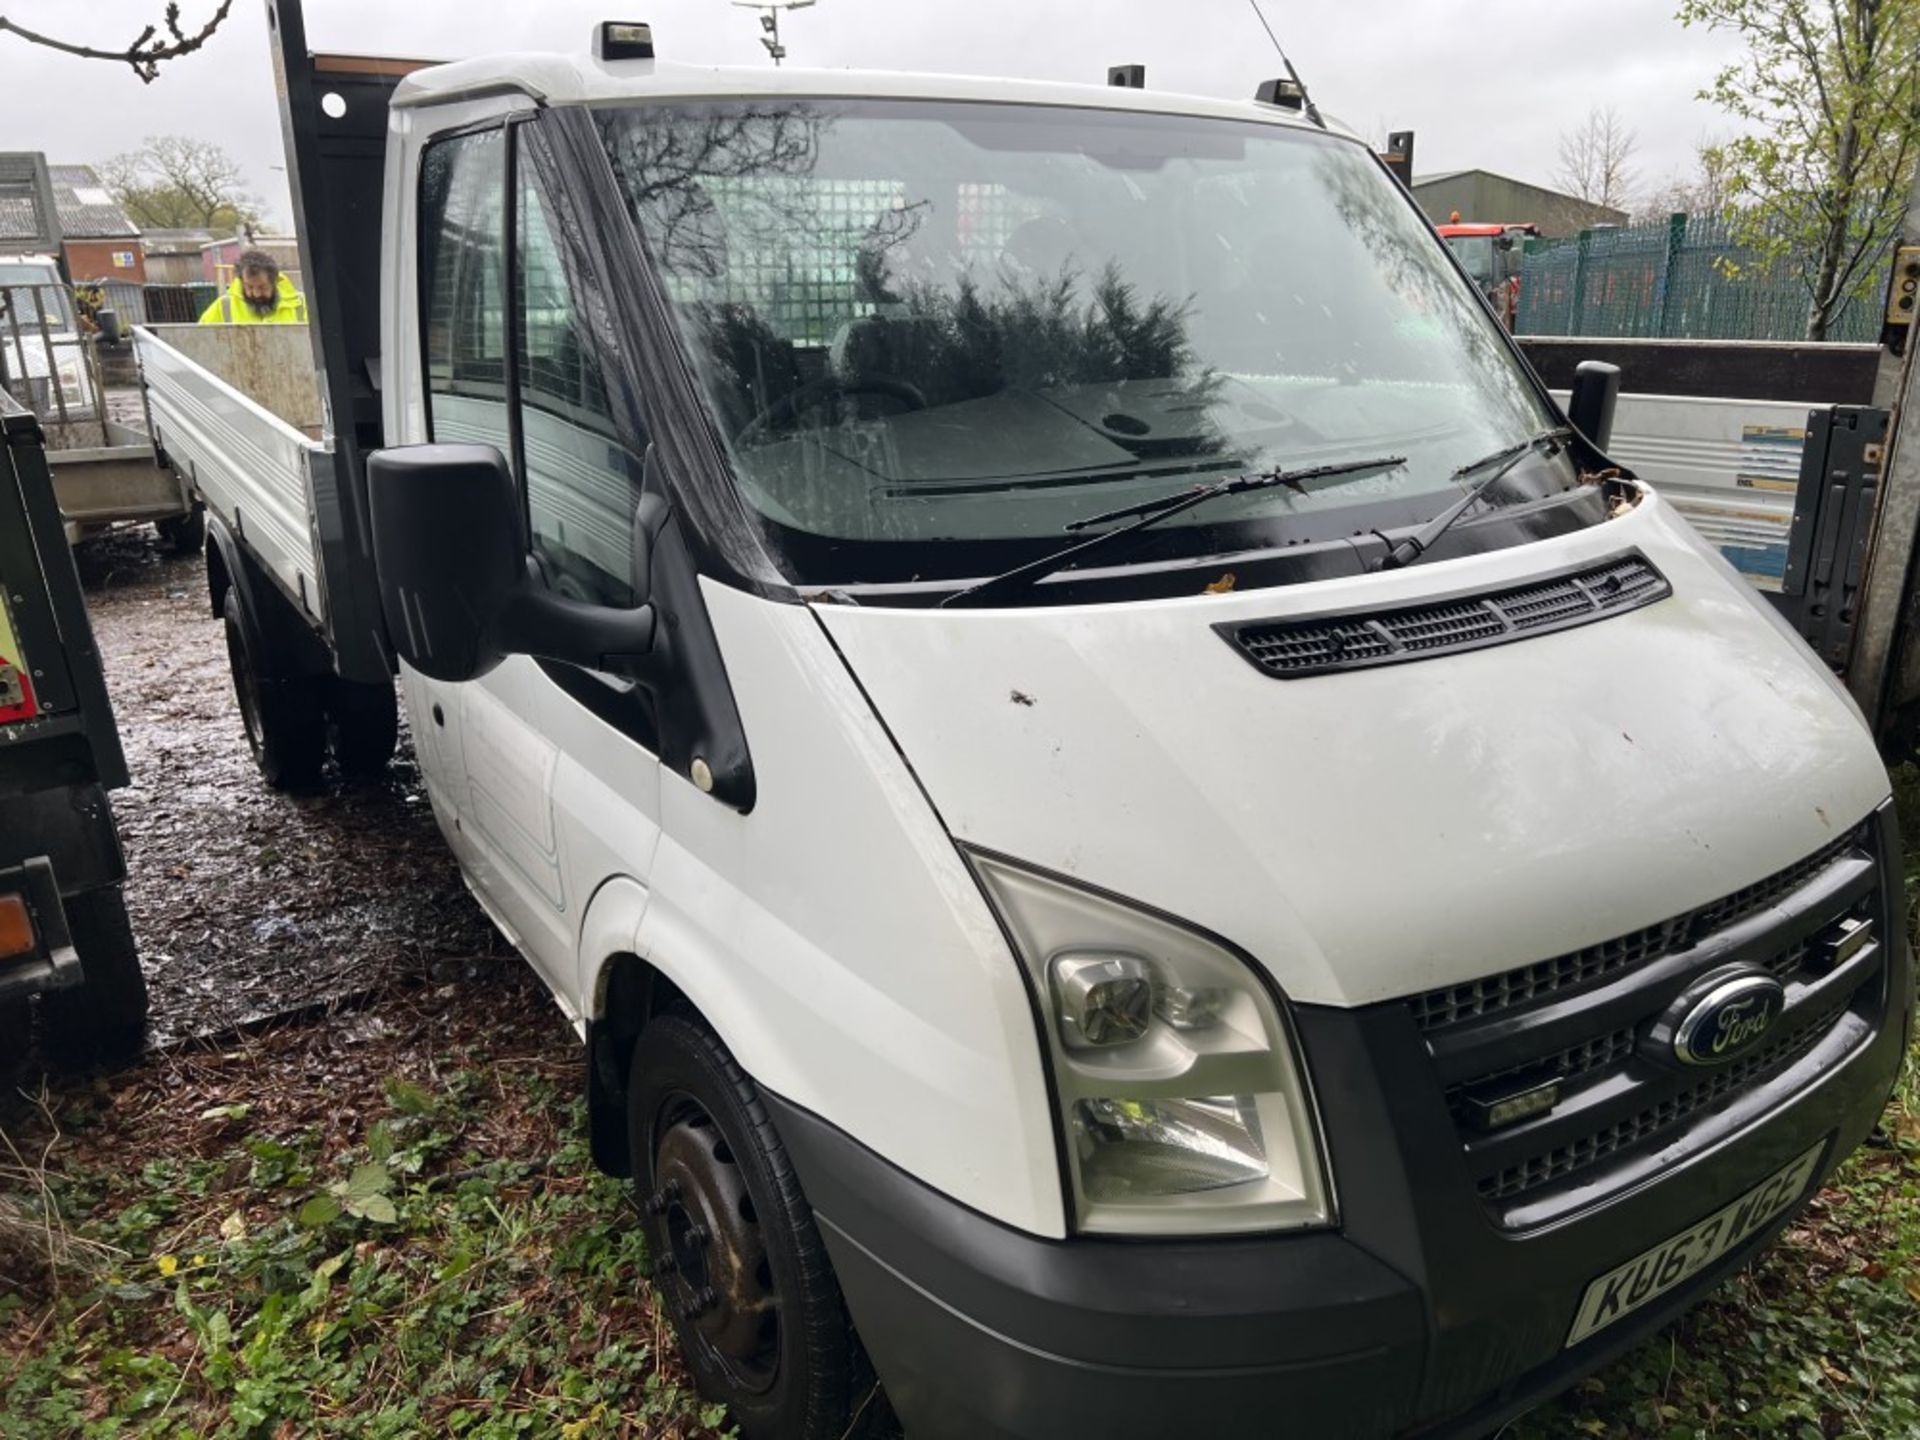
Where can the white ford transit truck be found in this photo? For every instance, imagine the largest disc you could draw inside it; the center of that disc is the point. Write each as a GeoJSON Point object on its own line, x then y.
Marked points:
{"type": "Point", "coordinates": [1145, 836]}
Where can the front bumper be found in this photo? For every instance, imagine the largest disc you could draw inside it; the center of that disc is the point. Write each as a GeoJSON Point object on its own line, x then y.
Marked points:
{"type": "Point", "coordinates": [1430, 1311]}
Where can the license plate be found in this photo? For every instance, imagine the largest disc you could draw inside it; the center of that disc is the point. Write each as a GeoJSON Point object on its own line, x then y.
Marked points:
{"type": "Point", "coordinates": [1650, 1275]}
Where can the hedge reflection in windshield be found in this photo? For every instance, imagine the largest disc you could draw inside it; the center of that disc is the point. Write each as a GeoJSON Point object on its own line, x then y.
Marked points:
{"type": "Point", "coordinates": [938, 332]}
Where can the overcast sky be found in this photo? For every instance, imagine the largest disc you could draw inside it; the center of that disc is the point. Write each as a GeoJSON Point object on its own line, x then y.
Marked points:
{"type": "Point", "coordinates": [1486, 84]}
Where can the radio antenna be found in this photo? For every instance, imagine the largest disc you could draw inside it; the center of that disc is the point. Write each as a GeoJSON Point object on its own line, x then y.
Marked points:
{"type": "Point", "coordinates": [1306, 100]}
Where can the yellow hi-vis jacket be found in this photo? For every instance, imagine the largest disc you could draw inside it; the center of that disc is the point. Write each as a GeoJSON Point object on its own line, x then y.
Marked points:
{"type": "Point", "coordinates": [290, 308]}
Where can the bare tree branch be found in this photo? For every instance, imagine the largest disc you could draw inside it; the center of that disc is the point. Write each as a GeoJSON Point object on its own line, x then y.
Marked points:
{"type": "Point", "coordinates": [1705, 190]}
{"type": "Point", "coordinates": [149, 49]}
{"type": "Point", "coordinates": [178, 182]}
{"type": "Point", "coordinates": [1595, 160]}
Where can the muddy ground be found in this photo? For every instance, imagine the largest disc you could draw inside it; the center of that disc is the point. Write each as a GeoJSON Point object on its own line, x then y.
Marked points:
{"type": "Point", "coordinates": [248, 903]}
{"type": "Point", "coordinates": [182, 1253]}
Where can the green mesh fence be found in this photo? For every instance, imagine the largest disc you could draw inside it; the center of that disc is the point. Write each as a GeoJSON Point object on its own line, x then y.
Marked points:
{"type": "Point", "coordinates": [1687, 278]}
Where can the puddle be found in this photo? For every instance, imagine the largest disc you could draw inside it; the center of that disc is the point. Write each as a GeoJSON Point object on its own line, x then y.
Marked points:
{"type": "Point", "coordinates": [248, 903]}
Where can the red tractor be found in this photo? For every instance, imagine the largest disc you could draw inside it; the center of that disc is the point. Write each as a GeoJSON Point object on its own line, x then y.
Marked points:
{"type": "Point", "coordinates": [1491, 255]}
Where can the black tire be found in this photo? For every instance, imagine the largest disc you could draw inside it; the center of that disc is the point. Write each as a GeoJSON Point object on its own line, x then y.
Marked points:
{"type": "Point", "coordinates": [363, 727]}
{"type": "Point", "coordinates": [285, 727]}
{"type": "Point", "coordinates": [102, 1021]}
{"type": "Point", "coordinates": [708, 1161]}
{"type": "Point", "coordinates": [185, 534]}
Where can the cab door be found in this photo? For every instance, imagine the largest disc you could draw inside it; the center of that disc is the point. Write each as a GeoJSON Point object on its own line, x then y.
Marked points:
{"type": "Point", "coordinates": [462, 278]}
{"type": "Point", "coordinates": [552, 769]}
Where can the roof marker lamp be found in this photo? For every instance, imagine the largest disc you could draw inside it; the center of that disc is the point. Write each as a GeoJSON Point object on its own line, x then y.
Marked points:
{"type": "Point", "coordinates": [622, 40]}
{"type": "Point", "coordinates": [1287, 94]}
{"type": "Point", "coordinates": [1184, 1106]}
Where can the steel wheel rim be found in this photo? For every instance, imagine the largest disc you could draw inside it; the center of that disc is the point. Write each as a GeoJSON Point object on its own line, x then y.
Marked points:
{"type": "Point", "coordinates": [711, 1266]}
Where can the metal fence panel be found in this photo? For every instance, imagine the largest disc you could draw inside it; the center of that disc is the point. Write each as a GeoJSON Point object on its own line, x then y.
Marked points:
{"type": "Point", "coordinates": [126, 298]}
{"type": "Point", "coordinates": [1686, 278]}
{"type": "Point", "coordinates": [176, 304]}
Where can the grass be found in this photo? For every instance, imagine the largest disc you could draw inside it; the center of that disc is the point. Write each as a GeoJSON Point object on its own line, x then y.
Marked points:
{"type": "Point", "coordinates": [385, 1224]}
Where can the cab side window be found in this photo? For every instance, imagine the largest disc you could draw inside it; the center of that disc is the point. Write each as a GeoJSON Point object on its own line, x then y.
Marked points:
{"type": "Point", "coordinates": [582, 483]}
{"type": "Point", "coordinates": [463, 285]}
{"type": "Point", "coordinates": [546, 406]}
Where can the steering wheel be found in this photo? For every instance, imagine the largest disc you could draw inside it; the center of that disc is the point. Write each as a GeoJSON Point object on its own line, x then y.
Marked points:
{"type": "Point", "coordinates": [790, 403]}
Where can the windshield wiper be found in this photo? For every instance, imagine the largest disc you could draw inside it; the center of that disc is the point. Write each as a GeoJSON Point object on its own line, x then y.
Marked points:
{"type": "Point", "coordinates": [1152, 512]}
{"type": "Point", "coordinates": [1413, 546]}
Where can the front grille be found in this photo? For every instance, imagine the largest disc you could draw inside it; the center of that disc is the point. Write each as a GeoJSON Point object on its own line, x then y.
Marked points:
{"type": "Point", "coordinates": [1621, 1093]}
{"type": "Point", "coordinates": [1291, 649]}
{"type": "Point", "coordinates": [1655, 1119]}
{"type": "Point", "coordinates": [1567, 1064]}
{"type": "Point", "coordinates": [1448, 1006]}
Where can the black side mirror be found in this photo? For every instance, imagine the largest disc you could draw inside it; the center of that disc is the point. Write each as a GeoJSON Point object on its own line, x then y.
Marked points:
{"type": "Point", "coordinates": [450, 556]}
{"type": "Point", "coordinates": [1596, 390]}
{"type": "Point", "coordinates": [1503, 242]}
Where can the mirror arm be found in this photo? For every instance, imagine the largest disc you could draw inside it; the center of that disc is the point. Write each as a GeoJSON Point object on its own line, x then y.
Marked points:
{"type": "Point", "coordinates": [594, 637]}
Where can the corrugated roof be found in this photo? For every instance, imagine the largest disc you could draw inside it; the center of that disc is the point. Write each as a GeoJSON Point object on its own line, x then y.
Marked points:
{"type": "Point", "coordinates": [25, 221]}
{"type": "Point", "coordinates": [87, 211]}
{"type": "Point", "coordinates": [1488, 174]}
{"type": "Point", "coordinates": [18, 220]}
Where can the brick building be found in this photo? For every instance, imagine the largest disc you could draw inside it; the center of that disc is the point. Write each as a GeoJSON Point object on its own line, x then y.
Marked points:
{"type": "Point", "coordinates": [101, 243]}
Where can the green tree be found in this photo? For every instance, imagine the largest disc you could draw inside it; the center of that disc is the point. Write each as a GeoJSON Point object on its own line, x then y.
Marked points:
{"type": "Point", "coordinates": [174, 182]}
{"type": "Point", "coordinates": [1831, 89]}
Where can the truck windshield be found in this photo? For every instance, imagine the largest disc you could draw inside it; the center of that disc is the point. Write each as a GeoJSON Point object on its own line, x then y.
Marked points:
{"type": "Point", "coordinates": [932, 334]}
{"type": "Point", "coordinates": [1476, 254]}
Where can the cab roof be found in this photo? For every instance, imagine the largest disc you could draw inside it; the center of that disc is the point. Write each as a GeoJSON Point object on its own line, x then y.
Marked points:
{"type": "Point", "coordinates": [1455, 229]}
{"type": "Point", "coordinates": [557, 79]}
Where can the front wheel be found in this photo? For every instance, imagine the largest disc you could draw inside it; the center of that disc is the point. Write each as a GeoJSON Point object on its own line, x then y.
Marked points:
{"type": "Point", "coordinates": [738, 1263]}
{"type": "Point", "coordinates": [103, 1020]}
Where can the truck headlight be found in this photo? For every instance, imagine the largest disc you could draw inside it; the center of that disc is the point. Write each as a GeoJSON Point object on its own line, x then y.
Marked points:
{"type": "Point", "coordinates": [1184, 1105]}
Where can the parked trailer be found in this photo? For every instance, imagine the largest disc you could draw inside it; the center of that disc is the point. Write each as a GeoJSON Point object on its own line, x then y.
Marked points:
{"type": "Point", "coordinates": [121, 479]}
{"type": "Point", "coordinates": [104, 472]}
